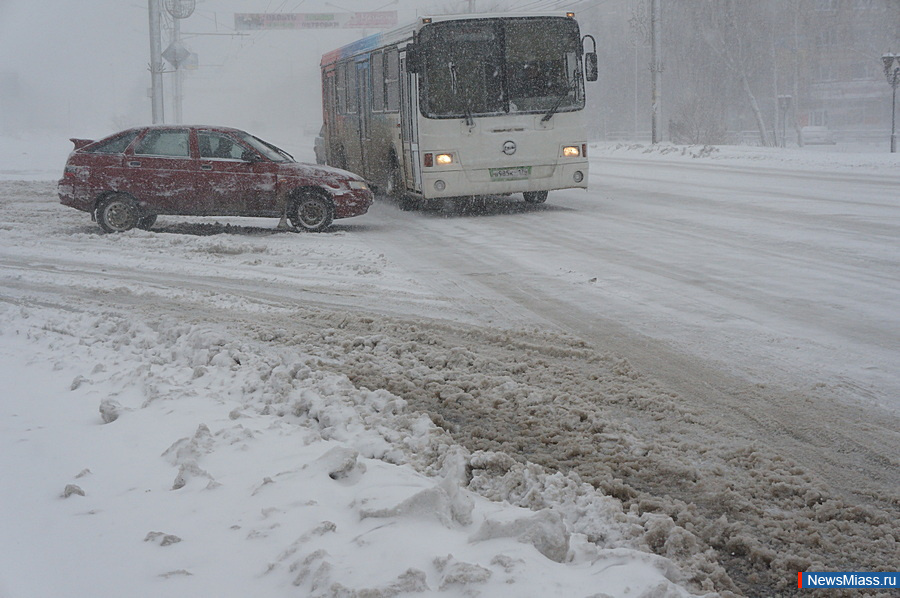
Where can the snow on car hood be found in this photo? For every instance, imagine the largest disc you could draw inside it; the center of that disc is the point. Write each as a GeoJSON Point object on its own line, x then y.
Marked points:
{"type": "Point", "coordinates": [319, 171]}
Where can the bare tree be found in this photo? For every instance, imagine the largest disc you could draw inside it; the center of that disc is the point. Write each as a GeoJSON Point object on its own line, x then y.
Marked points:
{"type": "Point", "coordinates": [727, 36]}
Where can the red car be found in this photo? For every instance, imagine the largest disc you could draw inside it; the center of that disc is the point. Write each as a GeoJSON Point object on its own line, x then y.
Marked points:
{"type": "Point", "coordinates": [127, 179]}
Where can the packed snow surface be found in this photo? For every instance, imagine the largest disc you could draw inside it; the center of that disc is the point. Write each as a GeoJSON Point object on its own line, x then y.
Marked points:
{"type": "Point", "coordinates": [680, 383]}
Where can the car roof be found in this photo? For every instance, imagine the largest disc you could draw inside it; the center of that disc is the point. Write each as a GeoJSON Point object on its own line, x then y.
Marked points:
{"type": "Point", "coordinates": [185, 126]}
{"type": "Point", "coordinates": [165, 127]}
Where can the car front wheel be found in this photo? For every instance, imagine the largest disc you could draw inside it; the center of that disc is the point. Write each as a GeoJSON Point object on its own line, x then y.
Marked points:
{"type": "Point", "coordinates": [117, 213]}
{"type": "Point", "coordinates": [311, 212]}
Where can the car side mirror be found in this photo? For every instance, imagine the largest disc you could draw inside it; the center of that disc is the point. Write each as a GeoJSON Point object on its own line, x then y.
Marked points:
{"type": "Point", "coordinates": [250, 156]}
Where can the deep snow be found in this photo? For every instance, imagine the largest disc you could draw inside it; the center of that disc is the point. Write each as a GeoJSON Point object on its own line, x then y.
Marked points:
{"type": "Point", "coordinates": [214, 407]}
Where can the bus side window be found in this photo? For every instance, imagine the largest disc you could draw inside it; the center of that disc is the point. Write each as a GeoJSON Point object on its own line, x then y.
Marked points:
{"type": "Point", "coordinates": [377, 82]}
{"type": "Point", "coordinates": [341, 80]}
{"type": "Point", "coordinates": [328, 94]}
{"type": "Point", "coordinates": [352, 98]}
{"type": "Point", "coordinates": [392, 80]}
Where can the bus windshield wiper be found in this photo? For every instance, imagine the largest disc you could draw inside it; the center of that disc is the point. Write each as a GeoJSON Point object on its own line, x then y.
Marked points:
{"type": "Point", "coordinates": [454, 78]}
{"type": "Point", "coordinates": [559, 100]}
{"type": "Point", "coordinates": [454, 87]}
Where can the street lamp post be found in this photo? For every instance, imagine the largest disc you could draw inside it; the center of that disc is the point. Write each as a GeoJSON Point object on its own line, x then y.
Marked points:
{"type": "Point", "coordinates": [656, 69]}
{"type": "Point", "coordinates": [892, 72]}
{"type": "Point", "coordinates": [176, 53]}
{"type": "Point", "coordinates": [784, 105]}
{"type": "Point", "coordinates": [156, 67]}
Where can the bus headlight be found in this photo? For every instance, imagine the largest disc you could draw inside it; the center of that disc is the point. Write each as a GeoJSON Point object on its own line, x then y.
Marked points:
{"type": "Point", "coordinates": [440, 185]}
{"type": "Point", "coordinates": [578, 176]}
{"type": "Point", "coordinates": [571, 151]}
{"type": "Point", "coordinates": [429, 159]}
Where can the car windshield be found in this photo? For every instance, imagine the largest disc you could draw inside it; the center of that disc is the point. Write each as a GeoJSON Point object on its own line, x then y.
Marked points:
{"type": "Point", "coordinates": [273, 153]}
{"type": "Point", "coordinates": [520, 65]}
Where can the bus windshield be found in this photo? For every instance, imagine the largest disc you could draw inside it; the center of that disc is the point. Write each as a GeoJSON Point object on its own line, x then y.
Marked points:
{"type": "Point", "coordinates": [501, 66]}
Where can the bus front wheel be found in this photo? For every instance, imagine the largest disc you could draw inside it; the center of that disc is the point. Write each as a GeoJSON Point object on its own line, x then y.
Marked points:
{"type": "Point", "coordinates": [535, 196]}
{"type": "Point", "coordinates": [394, 187]}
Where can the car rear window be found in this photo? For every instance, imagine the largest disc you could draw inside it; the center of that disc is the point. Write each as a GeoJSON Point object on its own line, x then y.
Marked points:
{"type": "Point", "coordinates": [116, 145]}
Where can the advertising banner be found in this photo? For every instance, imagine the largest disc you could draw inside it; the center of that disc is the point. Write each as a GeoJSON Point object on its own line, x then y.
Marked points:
{"type": "Point", "coordinates": [324, 20]}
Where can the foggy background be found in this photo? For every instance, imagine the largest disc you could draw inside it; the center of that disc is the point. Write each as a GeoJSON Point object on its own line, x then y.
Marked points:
{"type": "Point", "coordinates": [81, 69]}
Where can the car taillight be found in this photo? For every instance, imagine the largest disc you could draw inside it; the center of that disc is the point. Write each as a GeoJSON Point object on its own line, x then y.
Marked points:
{"type": "Point", "coordinates": [75, 172]}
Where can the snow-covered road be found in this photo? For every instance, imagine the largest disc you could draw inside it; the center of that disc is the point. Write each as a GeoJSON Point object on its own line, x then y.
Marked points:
{"type": "Point", "coordinates": [709, 339]}
{"type": "Point", "coordinates": [779, 276]}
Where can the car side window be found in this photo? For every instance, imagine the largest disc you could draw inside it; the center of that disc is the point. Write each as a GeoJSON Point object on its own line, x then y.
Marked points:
{"type": "Point", "coordinates": [173, 143]}
{"type": "Point", "coordinates": [217, 145]}
{"type": "Point", "coordinates": [116, 145]}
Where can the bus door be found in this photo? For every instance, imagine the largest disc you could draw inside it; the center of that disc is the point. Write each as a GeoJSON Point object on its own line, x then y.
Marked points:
{"type": "Point", "coordinates": [365, 110]}
{"type": "Point", "coordinates": [409, 130]}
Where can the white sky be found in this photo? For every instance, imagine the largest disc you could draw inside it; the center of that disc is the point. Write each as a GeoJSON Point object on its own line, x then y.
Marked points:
{"type": "Point", "coordinates": [83, 67]}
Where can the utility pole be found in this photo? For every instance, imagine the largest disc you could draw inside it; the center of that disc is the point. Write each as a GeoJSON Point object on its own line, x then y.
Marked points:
{"type": "Point", "coordinates": [178, 87]}
{"type": "Point", "coordinates": [156, 67]}
{"type": "Point", "coordinates": [176, 53]}
{"type": "Point", "coordinates": [655, 67]}
{"type": "Point", "coordinates": [892, 72]}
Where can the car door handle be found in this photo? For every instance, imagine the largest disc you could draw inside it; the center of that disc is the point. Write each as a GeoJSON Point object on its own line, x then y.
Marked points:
{"type": "Point", "coordinates": [206, 167]}
{"type": "Point", "coordinates": [134, 163]}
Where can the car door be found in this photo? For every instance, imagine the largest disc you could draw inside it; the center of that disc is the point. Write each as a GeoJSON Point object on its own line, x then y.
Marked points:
{"type": "Point", "coordinates": [160, 172]}
{"type": "Point", "coordinates": [234, 178]}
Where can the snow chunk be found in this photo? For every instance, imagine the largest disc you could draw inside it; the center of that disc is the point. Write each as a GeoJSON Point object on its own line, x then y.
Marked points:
{"type": "Point", "coordinates": [162, 539]}
{"type": "Point", "coordinates": [546, 531]}
{"type": "Point", "coordinates": [455, 572]}
{"type": "Point", "coordinates": [342, 464]}
{"type": "Point", "coordinates": [72, 489]}
{"type": "Point", "coordinates": [110, 410]}
{"type": "Point", "coordinates": [184, 454]}
{"type": "Point", "coordinates": [431, 503]}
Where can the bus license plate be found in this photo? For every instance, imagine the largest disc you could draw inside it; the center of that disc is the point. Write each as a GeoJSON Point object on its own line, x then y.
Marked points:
{"type": "Point", "coordinates": [510, 174]}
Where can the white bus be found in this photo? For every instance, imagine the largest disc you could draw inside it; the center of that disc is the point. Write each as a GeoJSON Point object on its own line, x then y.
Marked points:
{"type": "Point", "coordinates": [460, 106]}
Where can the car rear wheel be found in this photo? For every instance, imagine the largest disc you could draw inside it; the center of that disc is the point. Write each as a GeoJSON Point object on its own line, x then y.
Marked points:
{"type": "Point", "coordinates": [117, 213]}
{"type": "Point", "coordinates": [535, 196]}
{"type": "Point", "coordinates": [311, 212]}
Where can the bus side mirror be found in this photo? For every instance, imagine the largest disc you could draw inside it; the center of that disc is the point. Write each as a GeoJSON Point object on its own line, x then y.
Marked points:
{"type": "Point", "coordinates": [591, 71]}
{"type": "Point", "coordinates": [413, 58]}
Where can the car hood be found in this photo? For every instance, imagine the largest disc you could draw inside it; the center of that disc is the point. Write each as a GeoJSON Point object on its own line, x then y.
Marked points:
{"type": "Point", "coordinates": [318, 171]}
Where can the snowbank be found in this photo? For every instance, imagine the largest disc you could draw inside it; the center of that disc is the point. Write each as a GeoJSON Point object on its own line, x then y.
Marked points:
{"type": "Point", "coordinates": [185, 459]}
{"type": "Point", "coordinates": [811, 158]}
